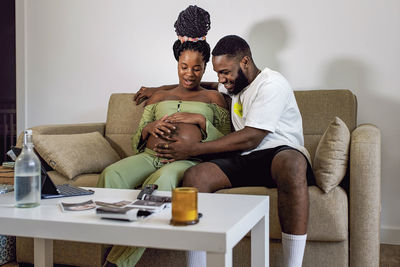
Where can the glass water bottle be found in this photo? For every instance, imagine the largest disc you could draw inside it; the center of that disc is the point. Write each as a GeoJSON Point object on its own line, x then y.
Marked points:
{"type": "Point", "coordinates": [27, 182]}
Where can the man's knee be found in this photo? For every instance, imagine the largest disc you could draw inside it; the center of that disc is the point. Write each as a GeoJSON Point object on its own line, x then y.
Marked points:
{"type": "Point", "coordinates": [206, 177]}
{"type": "Point", "coordinates": [193, 176]}
{"type": "Point", "coordinates": [289, 169]}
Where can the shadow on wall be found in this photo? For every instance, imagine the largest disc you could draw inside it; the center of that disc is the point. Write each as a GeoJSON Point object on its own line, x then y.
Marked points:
{"type": "Point", "coordinates": [267, 39]}
{"type": "Point", "coordinates": [353, 74]}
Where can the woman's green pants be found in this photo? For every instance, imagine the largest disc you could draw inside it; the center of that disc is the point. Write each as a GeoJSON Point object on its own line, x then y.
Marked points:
{"type": "Point", "coordinates": [138, 170]}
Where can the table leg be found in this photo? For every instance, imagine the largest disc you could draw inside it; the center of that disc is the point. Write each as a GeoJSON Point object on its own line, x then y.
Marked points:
{"type": "Point", "coordinates": [43, 252]}
{"type": "Point", "coordinates": [260, 243]}
{"type": "Point", "coordinates": [219, 259]}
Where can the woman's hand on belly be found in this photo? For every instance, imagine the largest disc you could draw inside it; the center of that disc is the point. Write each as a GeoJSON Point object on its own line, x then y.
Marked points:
{"type": "Point", "coordinates": [158, 128]}
{"type": "Point", "coordinates": [188, 118]}
{"type": "Point", "coordinates": [189, 132]}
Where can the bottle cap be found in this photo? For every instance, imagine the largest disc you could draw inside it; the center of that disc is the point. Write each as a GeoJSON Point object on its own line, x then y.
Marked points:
{"type": "Point", "coordinates": [28, 137]}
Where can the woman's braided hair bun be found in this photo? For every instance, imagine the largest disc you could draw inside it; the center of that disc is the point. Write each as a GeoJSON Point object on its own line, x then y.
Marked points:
{"type": "Point", "coordinates": [193, 22]}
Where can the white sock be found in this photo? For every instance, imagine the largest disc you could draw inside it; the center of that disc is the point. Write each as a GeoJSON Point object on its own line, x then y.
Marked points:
{"type": "Point", "coordinates": [196, 258]}
{"type": "Point", "coordinates": [293, 249]}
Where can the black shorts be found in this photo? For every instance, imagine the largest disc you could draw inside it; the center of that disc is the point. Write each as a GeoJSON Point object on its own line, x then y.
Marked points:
{"type": "Point", "coordinates": [254, 169]}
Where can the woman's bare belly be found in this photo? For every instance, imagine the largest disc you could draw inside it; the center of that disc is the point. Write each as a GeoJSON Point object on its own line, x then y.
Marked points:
{"type": "Point", "coordinates": [185, 131]}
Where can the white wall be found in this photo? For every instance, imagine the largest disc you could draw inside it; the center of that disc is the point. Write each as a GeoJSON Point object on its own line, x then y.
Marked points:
{"type": "Point", "coordinates": [73, 54]}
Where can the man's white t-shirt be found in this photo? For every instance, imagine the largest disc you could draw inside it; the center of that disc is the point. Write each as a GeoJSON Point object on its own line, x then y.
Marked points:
{"type": "Point", "coordinates": [268, 103]}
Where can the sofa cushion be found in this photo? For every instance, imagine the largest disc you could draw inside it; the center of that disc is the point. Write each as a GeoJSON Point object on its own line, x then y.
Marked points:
{"type": "Point", "coordinates": [76, 154]}
{"type": "Point", "coordinates": [332, 155]}
{"type": "Point", "coordinates": [86, 180]}
{"type": "Point", "coordinates": [328, 217]}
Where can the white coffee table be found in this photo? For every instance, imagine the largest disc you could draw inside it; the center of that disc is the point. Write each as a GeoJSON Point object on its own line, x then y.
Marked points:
{"type": "Point", "coordinates": [226, 220]}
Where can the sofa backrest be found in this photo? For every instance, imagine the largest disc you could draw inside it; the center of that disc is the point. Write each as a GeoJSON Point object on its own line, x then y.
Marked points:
{"type": "Point", "coordinates": [123, 117]}
{"type": "Point", "coordinates": [317, 107]}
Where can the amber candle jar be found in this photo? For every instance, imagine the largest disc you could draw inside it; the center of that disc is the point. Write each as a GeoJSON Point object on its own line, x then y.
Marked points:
{"type": "Point", "coordinates": [184, 206]}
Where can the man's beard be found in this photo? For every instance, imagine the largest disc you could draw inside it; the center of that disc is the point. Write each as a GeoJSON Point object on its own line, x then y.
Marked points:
{"type": "Point", "coordinates": [240, 83]}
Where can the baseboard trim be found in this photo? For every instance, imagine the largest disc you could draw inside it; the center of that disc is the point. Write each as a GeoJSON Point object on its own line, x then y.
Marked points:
{"type": "Point", "coordinates": [390, 235]}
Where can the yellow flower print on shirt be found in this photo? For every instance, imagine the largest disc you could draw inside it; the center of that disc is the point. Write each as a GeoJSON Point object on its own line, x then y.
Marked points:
{"type": "Point", "coordinates": [238, 109]}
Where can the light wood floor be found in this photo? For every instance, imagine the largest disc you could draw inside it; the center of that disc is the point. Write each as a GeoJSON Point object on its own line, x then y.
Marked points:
{"type": "Point", "coordinates": [390, 257]}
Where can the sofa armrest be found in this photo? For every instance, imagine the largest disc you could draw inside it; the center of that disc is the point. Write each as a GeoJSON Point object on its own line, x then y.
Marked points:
{"type": "Point", "coordinates": [365, 195]}
{"type": "Point", "coordinates": [65, 129]}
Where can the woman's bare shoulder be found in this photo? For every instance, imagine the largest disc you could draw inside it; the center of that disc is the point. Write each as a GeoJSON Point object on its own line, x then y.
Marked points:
{"type": "Point", "coordinates": [159, 96]}
{"type": "Point", "coordinates": [217, 98]}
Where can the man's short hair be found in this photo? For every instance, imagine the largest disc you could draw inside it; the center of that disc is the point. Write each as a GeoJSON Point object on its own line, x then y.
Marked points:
{"type": "Point", "coordinates": [232, 46]}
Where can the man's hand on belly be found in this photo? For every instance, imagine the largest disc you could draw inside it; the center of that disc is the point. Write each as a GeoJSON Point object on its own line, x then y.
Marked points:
{"type": "Point", "coordinates": [179, 149]}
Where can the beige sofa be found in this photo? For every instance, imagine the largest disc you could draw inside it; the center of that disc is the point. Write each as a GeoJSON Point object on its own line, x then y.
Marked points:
{"type": "Point", "coordinates": [343, 225]}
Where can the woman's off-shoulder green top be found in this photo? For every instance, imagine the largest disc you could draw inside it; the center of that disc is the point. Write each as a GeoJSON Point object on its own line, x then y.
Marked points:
{"type": "Point", "coordinates": [217, 118]}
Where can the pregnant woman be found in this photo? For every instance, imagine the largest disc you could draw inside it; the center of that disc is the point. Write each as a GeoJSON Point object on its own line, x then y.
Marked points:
{"type": "Point", "coordinates": [186, 111]}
